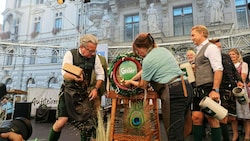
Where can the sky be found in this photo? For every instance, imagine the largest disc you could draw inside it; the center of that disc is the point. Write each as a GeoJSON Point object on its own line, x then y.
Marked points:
{"type": "Point", "coordinates": [2, 8]}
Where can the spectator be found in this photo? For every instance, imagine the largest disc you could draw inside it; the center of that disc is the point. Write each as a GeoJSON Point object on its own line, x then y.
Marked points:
{"type": "Point", "coordinates": [243, 110]}
{"type": "Point", "coordinates": [231, 79]}
{"type": "Point", "coordinates": [191, 57]}
{"type": "Point", "coordinates": [208, 76]}
{"type": "Point", "coordinates": [164, 74]}
{"type": "Point", "coordinates": [7, 107]}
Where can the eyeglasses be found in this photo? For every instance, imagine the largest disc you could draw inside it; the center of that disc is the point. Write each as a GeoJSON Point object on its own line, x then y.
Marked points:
{"type": "Point", "coordinates": [90, 51]}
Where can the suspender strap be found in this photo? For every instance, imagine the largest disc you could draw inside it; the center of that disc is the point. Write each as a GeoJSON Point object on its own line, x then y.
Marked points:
{"type": "Point", "coordinates": [184, 87]}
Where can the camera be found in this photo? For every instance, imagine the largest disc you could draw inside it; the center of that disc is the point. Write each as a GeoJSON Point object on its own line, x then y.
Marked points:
{"type": "Point", "coordinates": [19, 125]}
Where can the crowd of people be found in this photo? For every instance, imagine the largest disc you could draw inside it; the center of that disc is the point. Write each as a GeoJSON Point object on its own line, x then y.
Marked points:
{"type": "Point", "coordinates": [216, 75]}
{"type": "Point", "coordinates": [229, 71]}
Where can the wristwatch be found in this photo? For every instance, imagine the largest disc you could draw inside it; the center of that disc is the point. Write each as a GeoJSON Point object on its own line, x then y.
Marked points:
{"type": "Point", "coordinates": [216, 89]}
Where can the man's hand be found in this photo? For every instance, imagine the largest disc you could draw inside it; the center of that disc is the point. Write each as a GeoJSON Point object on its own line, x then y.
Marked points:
{"type": "Point", "coordinates": [12, 136]}
{"type": "Point", "coordinates": [214, 95]}
{"type": "Point", "coordinates": [93, 94]}
{"type": "Point", "coordinates": [79, 79]}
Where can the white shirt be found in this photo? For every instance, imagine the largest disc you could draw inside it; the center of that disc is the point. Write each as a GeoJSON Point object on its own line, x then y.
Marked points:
{"type": "Point", "coordinates": [68, 58]}
{"type": "Point", "coordinates": [213, 54]}
{"type": "Point", "coordinates": [244, 67]}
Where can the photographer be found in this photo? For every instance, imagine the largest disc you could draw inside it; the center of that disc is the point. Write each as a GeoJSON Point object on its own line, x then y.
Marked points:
{"type": "Point", "coordinates": [12, 136]}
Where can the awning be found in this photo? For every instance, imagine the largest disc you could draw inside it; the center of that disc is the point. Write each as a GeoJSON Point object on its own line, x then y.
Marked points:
{"type": "Point", "coordinates": [15, 91]}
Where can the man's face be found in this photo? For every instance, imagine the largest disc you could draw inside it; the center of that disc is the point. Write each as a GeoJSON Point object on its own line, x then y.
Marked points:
{"type": "Point", "coordinates": [197, 37]}
{"type": "Point", "coordinates": [89, 50]}
{"type": "Point", "coordinates": [190, 56]}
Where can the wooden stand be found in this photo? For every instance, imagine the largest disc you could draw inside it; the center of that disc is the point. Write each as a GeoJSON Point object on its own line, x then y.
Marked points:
{"type": "Point", "coordinates": [118, 101]}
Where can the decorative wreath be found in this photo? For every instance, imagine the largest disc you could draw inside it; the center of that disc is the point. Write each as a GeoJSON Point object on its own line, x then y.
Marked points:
{"type": "Point", "coordinates": [124, 67]}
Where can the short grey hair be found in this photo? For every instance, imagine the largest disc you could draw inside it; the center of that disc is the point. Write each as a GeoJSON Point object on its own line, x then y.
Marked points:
{"type": "Point", "coordinates": [88, 38]}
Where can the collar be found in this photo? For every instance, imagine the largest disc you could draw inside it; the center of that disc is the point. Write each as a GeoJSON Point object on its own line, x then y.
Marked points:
{"type": "Point", "coordinates": [201, 45]}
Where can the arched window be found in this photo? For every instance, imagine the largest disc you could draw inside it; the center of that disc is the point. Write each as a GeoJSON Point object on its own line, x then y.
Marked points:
{"type": "Point", "coordinates": [8, 83]}
{"type": "Point", "coordinates": [30, 83]}
{"type": "Point", "coordinates": [53, 83]}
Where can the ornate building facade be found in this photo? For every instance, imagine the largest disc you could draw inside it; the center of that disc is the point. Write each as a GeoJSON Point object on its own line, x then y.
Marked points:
{"type": "Point", "coordinates": [36, 33]}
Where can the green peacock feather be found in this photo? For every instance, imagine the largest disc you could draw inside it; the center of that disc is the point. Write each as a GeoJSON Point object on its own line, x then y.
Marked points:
{"type": "Point", "coordinates": [137, 120]}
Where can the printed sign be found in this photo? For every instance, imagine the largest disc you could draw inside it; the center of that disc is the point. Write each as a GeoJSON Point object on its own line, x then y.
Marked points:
{"type": "Point", "coordinates": [38, 96]}
{"type": "Point", "coordinates": [127, 70]}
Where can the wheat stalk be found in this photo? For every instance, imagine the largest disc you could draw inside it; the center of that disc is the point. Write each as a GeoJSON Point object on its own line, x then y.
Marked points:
{"type": "Point", "coordinates": [102, 132]}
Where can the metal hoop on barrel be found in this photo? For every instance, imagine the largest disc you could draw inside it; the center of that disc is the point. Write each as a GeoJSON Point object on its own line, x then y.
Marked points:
{"type": "Point", "coordinates": [117, 79]}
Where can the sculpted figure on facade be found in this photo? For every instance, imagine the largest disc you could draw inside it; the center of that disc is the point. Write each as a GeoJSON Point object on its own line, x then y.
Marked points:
{"type": "Point", "coordinates": [106, 25]}
{"type": "Point", "coordinates": [216, 8]}
{"type": "Point", "coordinates": [152, 19]}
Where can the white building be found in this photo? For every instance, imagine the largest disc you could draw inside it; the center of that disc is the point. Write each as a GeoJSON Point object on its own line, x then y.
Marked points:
{"type": "Point", "coordinates": [36, 33]}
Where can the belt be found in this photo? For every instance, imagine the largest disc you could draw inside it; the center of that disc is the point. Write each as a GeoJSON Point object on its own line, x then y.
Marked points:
{"type": "Point", "coordinates": [174, 84]}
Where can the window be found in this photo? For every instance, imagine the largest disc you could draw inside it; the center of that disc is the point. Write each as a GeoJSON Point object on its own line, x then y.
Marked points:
{"type": "Point", "coordinates": [9, 57]}
{"type": "Point", "coordinates": [39, 1]}
{"type": "Point", "coordinates": [30, 83]}
{"type": "Point", "coordinates": [131, 28]}
{"type": "Point", "coordinates": [37, 24]}
{"type": "Point", "coordinates": [242, 13]}
{"type": "Point", "coordinates": [8, 83]}
{"type": "Point", "coordinates": [55, 53]}
{"type": "Point", "coordinates": [16, 28]}
{"type": "Point", "coordinates": [32, 56]}
{"type": "Point", "coordinates": [18, 3]}
{"type": "Point", "coordinates": [37, 27]}
{"type": "Point", "coordinates": [183, 20]}
{"type": "Point", "coordinates": [58, 21]}
{"type": "Point", "coordinates": [52, 82]}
